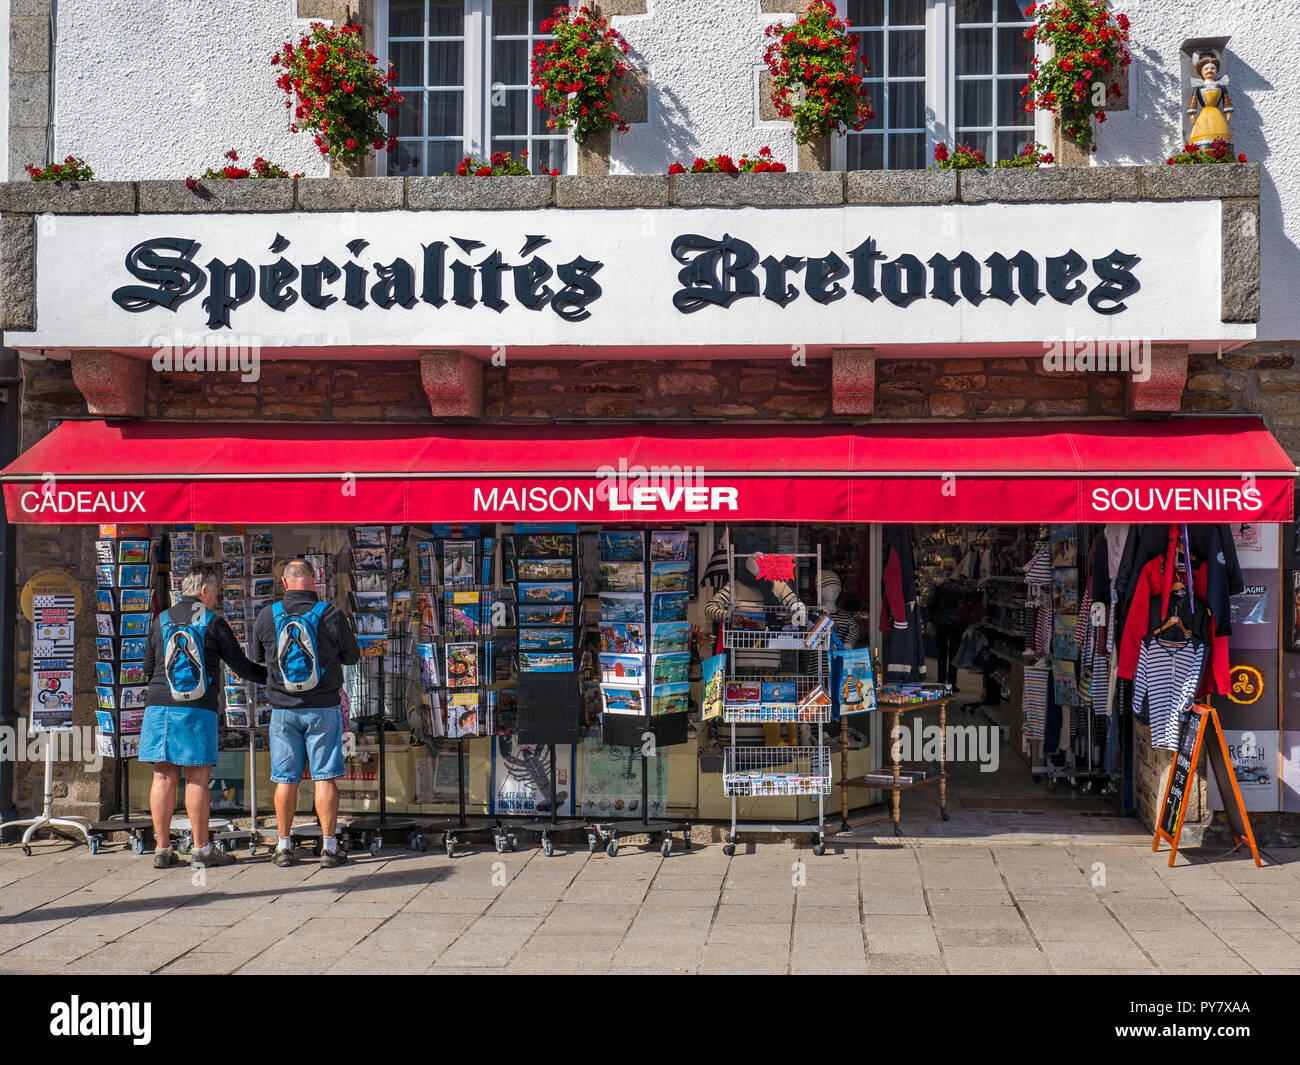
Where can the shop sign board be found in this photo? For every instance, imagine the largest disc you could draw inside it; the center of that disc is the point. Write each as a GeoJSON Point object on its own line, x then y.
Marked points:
{"type": "Point", "coordinates": [50, 600]}
{"type": "Point", "coordinates": [667, 278]}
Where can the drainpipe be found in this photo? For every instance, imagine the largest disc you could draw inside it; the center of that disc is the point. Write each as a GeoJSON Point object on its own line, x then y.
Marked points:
{"type": "Point", "coordinates": [10, 416]}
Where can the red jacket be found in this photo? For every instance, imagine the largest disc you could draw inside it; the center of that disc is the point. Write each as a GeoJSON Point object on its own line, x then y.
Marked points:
{"type": "Point", "coordinates": [1156, 579]}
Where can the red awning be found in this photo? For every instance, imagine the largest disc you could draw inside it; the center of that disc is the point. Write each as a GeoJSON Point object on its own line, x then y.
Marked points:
{"type": "Point", "coordinates": [1193, 470]}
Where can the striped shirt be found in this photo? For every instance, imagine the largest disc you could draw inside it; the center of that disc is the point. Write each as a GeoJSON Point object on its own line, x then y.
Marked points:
{"type": "Point", "coordinates": [1167, 677]}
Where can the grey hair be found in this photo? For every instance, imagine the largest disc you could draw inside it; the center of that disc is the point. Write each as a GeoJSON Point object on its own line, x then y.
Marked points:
{"type": "Point", "coordinates": [298, 569]}
{"type": "Point", "coordinates": [198, 575]}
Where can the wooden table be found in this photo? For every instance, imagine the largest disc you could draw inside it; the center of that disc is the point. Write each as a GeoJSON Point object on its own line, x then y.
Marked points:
{"type": "Point", "coordinates": [895, 711]}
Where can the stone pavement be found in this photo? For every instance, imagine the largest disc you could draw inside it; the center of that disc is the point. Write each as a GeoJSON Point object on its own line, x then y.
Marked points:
{"type": "Point", "coordinates": [994, 907]}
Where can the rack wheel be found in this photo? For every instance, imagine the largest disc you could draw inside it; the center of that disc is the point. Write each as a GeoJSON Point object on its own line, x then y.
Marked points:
{"type": "Point", "coordinates": [819, 848]}
{"type": "Point", "coordinates": [500, 843]}
{"type": "Point", "coordinates": [419, 843]}
{"type": "Point", "coordinates": [449, 843]}
{"type": "Point", "coordinates": [593, 842]}
{"type": "Point", "coordinates": [221, 845]}
{"type": "Point", "coordinates": [686, 839]}
{"type": "Point", "coordinates": [729, 849]}
{"type": "Point", "coordinates": [92, 844]}
{"type": "Point", "coordinates": [137, 844]}
{"type": "Point", "coordinates": [27, 850]}
{"type": "Point", "coordinates": [548, 848]}
{"type": "Point", "coordinates": [612, 848]}
{"type": "Point", "coordinates": [187, 843]}
{"type": "Point", "coordinates": [667, 847]}
{"type": "Point", "coordinates": [512, 844]}
{"type": "Point", "coordinates": [376, 845]}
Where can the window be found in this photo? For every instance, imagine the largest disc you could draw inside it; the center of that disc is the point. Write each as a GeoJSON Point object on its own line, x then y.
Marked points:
{"type": "Point", "coordinates": [948, 70]}
{"type": "Point", "coordinates": [463, 67]}
{"type": "Point", "coordinates": [992, 66]}
{"type": "Point", "coordinates": [891, 40]}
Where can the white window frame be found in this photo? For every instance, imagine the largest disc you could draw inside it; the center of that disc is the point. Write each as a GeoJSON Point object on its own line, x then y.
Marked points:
{"type": "Point", "coordinates": [478, 44]}
{"type": "Point", "coordinates": [941, 87]}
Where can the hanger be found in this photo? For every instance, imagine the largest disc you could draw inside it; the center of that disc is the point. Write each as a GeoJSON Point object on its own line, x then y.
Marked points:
{"type": "Point", "coordinates": [1169, 623]}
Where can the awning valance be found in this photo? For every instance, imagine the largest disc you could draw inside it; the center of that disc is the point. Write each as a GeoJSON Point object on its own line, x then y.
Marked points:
{"type": "Point", "coordinates": [1193, 470]}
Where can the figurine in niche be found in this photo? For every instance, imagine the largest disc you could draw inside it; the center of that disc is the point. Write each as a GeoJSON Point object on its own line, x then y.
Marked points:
{"type": "Point", "coordinates": [1210, 105]}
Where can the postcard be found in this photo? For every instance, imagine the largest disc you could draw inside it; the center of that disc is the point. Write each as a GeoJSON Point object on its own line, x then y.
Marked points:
{"type": "Point", "coordinates": [370, 624]}
{"type": "Point", "coordinates": [370, 536]}
{"type": "Point", "coordinates": [424, 562]}
{"type": "Point", "coordinates": [622, 547]}
{"type": "Point", "coordinates": [622, 576]}
{"type": "Point", "coordinates": [669, 606]}
{"type": "Point", "coordinates": [427, 614]}
{"type": "Point", "coordinates": [458, 561]}
{"type": "Point", "coordinates": [545, 593]}
{"type": "Point", "coordinates": [714, 670]}
{"type": "Point", "coordinates": [104, 600]}
{"type": "Point", "coordinates": [669, 546]}
{"type": "Point", "coordinates": [132, 673]}
{"type": "Point", "coordinates": [618, 668]}
{"type": "Point", "coordinates": [545, 639]}
{"type": "Point", "coordinates": [778, 691]}
{"type": "Point", "coordinates": [260, 543]}
{"type": "Point", "coordinates": [670, 577]}
{"type": "Point", "coordinates": [104, 624]}
{"type": "Point", "coordinates": [463, 715]}
{"type": "Point", "coordinates": [670, 636]}
{"type": "Point", "coordinates": [371, 602]}
{"type": "Point", "coordinates": [263, 566]}
{"type": "Point", "coordinates": [133, 576]}
{"type": "Point", "coordinates": [670, 698]}
{"type": "Point", "coordinates": [105, 576]}
{"type": "Point", "coordinates": [106, 698]}
{"type": "Point", "coordinates": [623, 699]}
{"type": "Point", "coordinates": [672, 668]}
{"type": "Point", "coordinates": [232, 546]}
{"type": "Point", "coordinates": [134, 647]}
{"type": "Point", "coordinates": [622, 638]}
{"type": "Point", "coordinates": [257, 604]}
{"type": "Point", "coordinates": [133, 552]}
{"type": "Point", "coordinates": [543, 569]}
{"type": "Point", "coordinates": [135, 598]}
{"type": "Point", "coordinates": [104, 552]}
{"type": "Point", "coordinates": [536, 614]}
{"type": "Point", "coordinates": [545, 662]}
{"type": "Point", "coordinates": [544, 545]}
{"type": "Point", "coordinates": [263, 587]}
{"type": "Point", "coordinates": [744, 692]}
{"type": "Point", "coordinates": [369, 560]}
{"type": "Point", "coordinates": [232, 568]}
{"type": "Point", "coordinates": [103, 672]}
{"type": "Point", "coordinates": [623, 607]}
{"type": "Point", "coordinates": [104, 649]}
{"type": "Point", "coordinates": [401, 612]}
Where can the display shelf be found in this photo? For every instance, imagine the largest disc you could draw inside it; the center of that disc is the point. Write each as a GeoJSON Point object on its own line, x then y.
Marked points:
{"type": "Point", "coordinates": [753, 640]}
{"type": "Point", "coordinates": [745, 714]}
{"type": "Point", "coordinates": [755, 772]}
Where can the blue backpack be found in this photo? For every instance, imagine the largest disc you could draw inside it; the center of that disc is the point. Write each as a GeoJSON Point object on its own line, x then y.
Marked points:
{"type": "Point", "coordinates": [184, 664]}
{"type": "Point", "coordinates": [296, 653]}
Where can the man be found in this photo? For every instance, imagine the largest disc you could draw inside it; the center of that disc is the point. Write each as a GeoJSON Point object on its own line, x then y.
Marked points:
{"type": "Point", "coordinates": [945, 605]}
{"type": "Point", "coordinates": [305, 644]}
{"type": "Point", "coordinates": [182, 662]}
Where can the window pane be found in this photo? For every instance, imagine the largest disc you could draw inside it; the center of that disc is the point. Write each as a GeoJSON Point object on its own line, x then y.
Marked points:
{"type": "Point", "coordinates": [907, 53]}
{"type": "Point", "coordinates": [974, 51]}
{"type": "Point", "coordinates": [1014, 52]}
{"type": "Point", "coordinates": [866, 151]}
{"type": "Point", "coordinates": [408, 159]}
{"type": "Point", "coordinates": [978, 141]}
{"type": "Point", "coordinates": [446, 114]}
{"type": "Point", "coordinates": [410, 115]}
{"type": "Point", "coordinates": [509, 17]}
{"type": "Point", "coordinates": [907, 12]}
{"type": "Point", "coordinates": [446, 18]}
{"type": "Point", "coordinates": [1013, 10]}
{"type": "Point", "coordinates": [907, 105]}
{"type": "Point", "coordinates": [1011, 105]}
{"type": "Point", "coordinates": [405, 18]}
{"type": "Point", "coordinates": [1010, 142]}
{"type": "Point", "coordinates": [510, 62]}
{"type": "Point", "coordinates": [878, 106]}
{"type": "Point", "coordinates": [408, 63]}
{"type": "Point", "coordinates": [906, 151]}
{"type": "Point", "coordinates": [444, 157]}
{"type": "Point", "coordinates": [975, 11]}
{"type": "Point", "coordinates": [866, 12]}
{"type": "Point", "coordinates": [544, 9]}
{"type": "Point", "coordinates": [510, 115]}
{"type": "Point", "coordinates": [550, 156]}
{"type": "Point", "coordinates": [870, 50]}
{"type": "Point", "coordinates": [513, 145]}
{"type": "Point", "coordinates": [974, 103]}
{"type": "Point", "coordinates": [446, 65]}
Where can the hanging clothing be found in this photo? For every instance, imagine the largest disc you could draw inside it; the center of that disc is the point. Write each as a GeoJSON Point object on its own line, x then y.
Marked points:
{"type": "Point", "coordinates": [905, 653]}
{"type": "Point", "coordinates": [1038, 571]}
{"type": "Point", "coordinates": [1150, 590]}
{"type": "Point", "coordinates": [897, 576]}
{"type": "Point", "coordinates": [1168, 676]}
{"type": "Point", "coordinates": [1211, 544]}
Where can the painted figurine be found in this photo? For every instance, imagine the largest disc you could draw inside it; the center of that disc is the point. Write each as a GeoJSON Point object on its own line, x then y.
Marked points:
{"type": "Point", "coordinates": [1210, 105]}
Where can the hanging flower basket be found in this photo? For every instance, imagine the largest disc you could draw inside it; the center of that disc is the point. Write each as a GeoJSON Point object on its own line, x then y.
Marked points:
{"type": "Point", "coordinates": [576, 73]}
{"type": "Point", "coordinates": [1089, 45]}
{"type": "Point", "coordinates": [337, 92]}
{"type": "Point", "coordinates": [816, 79]}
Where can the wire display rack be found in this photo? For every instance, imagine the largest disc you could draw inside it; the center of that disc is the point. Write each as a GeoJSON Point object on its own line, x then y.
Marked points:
{"type": "Point", "coordinates": [758, 771]}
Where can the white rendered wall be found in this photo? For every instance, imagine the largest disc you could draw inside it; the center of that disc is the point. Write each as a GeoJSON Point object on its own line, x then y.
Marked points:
{"type": "Point", "coordinates": [161, 88]}
{"type": "Point", "coordinates": [1264, 82]}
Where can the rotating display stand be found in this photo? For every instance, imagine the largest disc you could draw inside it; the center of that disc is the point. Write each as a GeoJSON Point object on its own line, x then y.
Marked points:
{"type": "Point", "coordinates": [788, 771]}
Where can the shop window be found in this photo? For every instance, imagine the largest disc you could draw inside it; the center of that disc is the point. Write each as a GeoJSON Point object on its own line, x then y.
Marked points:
{"type": "Point", "coordinates": [463, 66]}
{"type": "Point", "coordinates": [939, 70]}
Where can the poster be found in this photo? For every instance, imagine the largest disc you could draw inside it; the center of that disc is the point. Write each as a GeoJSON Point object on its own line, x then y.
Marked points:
{"type": "Point", "coordinates": [611, 782]}
{"type": "Point", "coordinates": [715, 676]}
{"type": "Point", "coordinates": [854, 681]}
{"type": "Point", "coordinates": [53, 645]}
{"type": "Point", "coordinates": [1255, 611]}
{"type": "Point", "coordinates": [1255, 762]}
{"type": "Point", "coordinates": [521, 778]}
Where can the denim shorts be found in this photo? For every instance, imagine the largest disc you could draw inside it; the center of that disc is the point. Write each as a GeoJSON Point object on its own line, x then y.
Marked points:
{"type": "Point", "coordinates": [310, 737]}
{"type": "Point", "coordinates": [181, 735]}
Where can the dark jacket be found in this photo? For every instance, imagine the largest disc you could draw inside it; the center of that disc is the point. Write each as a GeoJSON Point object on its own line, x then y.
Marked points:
{"type": "Point", "coordinates": [1211, 544]}
{"type": "Point", "coordinates": [945, 603]}
{"type": "Point", "coordinates": [336, 643]}
{"type": "Point", "coordinates": [219, 644]}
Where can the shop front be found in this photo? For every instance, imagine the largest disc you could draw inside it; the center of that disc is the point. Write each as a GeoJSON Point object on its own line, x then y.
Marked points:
{"type": "Point", "coordinates": [502, 479]}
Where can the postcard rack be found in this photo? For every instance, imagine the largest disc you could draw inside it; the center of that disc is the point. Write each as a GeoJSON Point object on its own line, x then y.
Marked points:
{"type": "Point", "coordinates": [644, 663]}
{"type": "Point", "coordinates": [753, 638]}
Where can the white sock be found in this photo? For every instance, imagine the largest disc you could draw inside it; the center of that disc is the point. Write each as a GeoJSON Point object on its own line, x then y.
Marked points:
{"type": "Point", "coordinates": [330, 843]}
{"type": "Point", "coordinates": [162, 850]}
{"type": "Point", "coordinates": [286, 844]}
{"type": "Point", "coordinates": [206, 848]}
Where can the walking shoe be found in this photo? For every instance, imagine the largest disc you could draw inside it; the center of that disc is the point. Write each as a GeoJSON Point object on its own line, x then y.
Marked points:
{"type": "Point", "coordinates": [330, 859]}
{"type": "Point", "coordinates": [165, 859]}
{"type": "Point", "coordinates": [284, 858]}
{"type": "Point", "coordinates": [212, 857]}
